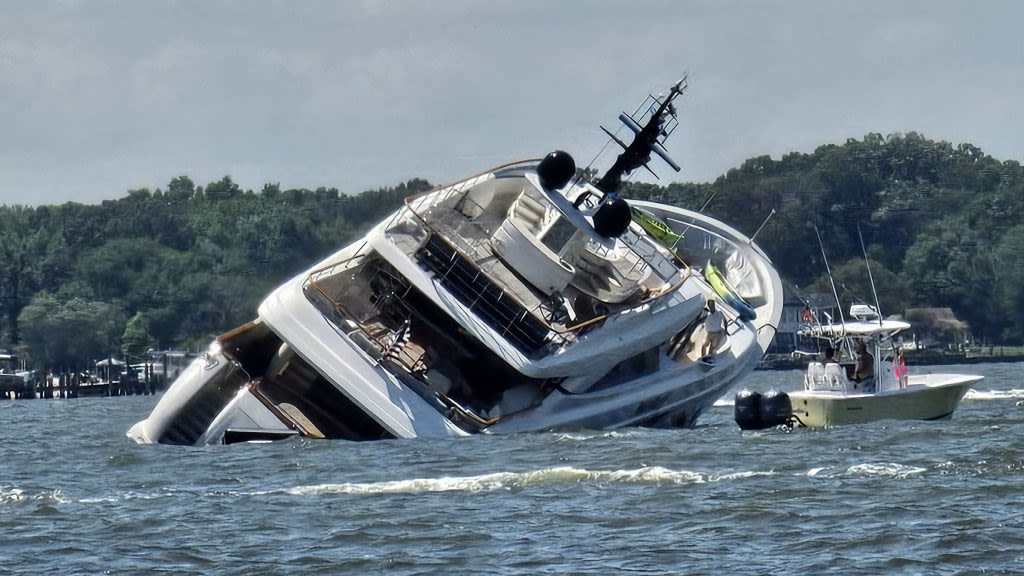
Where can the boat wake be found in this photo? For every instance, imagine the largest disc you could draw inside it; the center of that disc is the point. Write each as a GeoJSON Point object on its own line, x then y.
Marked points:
{"type": "Point", "coordinates": [655, 475]}
{"type": "Point", "coordinates": [868, 470]}
{"type": "Point", "coordinates": [1015, 394]}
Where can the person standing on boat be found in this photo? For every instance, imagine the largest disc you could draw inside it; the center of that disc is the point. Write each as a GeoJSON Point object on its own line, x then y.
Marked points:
{"type": "Point", "coordinates": [807, 317]}
{"type": "Point", "coordinates": [865, 370]}
{"type": "Point", "coordinates": [714, 325]}
{"type": "Point", "coordinates": [899, 369]}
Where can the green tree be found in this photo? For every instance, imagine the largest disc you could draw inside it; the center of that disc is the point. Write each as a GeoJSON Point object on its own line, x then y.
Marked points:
{"type": "Point", "coordinates": [70, 334]}
{"type": "Point", "coordinates": [136, 339]}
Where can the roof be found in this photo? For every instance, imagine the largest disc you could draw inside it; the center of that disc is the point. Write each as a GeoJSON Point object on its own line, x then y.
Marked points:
{"type": "Point", "coordinates": [936, 319]}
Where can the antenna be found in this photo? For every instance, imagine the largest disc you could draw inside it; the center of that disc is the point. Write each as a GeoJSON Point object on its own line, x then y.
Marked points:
{"type": "Point", "coordinates": [751, 241]}
{"type": "Point", "coordinates": [710, 198]}
{"type": "Point", "coordinates": [647, 139]}
{"type": "Point", "coordinates": [878, 308]}
{"type": "Point", "coordinates": [839, 305]}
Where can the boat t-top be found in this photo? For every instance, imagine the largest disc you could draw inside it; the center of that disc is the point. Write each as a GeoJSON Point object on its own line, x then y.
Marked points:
{"type": "Point", "coordinates": [526, 297]}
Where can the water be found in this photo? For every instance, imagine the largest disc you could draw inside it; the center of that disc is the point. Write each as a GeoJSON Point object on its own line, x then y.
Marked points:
{"type": "Point", "coordinates": [76, 497]}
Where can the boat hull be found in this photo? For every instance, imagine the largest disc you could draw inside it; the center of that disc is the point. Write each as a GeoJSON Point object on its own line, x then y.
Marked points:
{"type": "Point", "coordinates": [313, 367]}
{"type": "Point", "coordinates": [927, 397]}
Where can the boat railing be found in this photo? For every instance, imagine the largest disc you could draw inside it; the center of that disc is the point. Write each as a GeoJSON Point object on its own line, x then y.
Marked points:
{"type": "Point", "coordinates": [708, 235]}
{"type": "Point", "coordinates": [412, 366]}
{"type": "Point", "coordinates": [775, 329]}
{"type": "Point", "coordinates": [540, 311]}
{"type": "Point", "coordinates": [459, 187]}
{"type": "Point", "coordinates": [312, 280]}
{"type": "Point", "coordinates": [650, 256]}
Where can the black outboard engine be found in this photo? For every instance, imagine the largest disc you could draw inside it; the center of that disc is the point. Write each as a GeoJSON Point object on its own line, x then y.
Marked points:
{"type": "Point", "coordinates": [776, 408]}
{"type": "Point", "coordinates": [755, 411]}
{"type": "Point", "coordinates": [747, 409]}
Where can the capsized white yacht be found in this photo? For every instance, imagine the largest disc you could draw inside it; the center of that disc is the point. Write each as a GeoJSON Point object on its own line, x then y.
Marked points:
{"type": "Point", "coordinates": [835, 393]}
{"type": "Point", "coordinates": [523, 298]}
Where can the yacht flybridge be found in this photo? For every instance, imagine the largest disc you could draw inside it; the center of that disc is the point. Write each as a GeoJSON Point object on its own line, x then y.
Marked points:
{"type": "Point", "coordinates": [522, 298]}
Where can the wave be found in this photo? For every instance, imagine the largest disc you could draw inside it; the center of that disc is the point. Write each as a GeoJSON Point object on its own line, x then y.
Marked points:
{"type": "Point", "coordinates": [869, 470]}
{"type": "Point", "coordinates": [576, 436]}
{"type": "Point", "coordinates": [518, 480]}
{"type": "Point", "coordinates": [1014, 394]}
{"type": "Point", "coordinates": [10, 495]}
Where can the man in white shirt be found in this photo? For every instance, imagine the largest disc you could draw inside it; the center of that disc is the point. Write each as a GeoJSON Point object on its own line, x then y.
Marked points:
{"type": "Point", "coordinates": [714, 325]}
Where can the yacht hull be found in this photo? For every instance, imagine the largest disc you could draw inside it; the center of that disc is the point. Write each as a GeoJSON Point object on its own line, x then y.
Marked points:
{"type": "Point", "coordinates": [519, 299]}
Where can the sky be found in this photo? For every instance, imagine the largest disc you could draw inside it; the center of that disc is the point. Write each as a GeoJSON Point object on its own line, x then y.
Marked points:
{"type": "Point", "coordinates": [97, 98]}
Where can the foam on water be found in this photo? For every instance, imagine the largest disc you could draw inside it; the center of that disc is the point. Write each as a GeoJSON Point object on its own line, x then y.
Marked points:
{"type": "Point", "coordinates": [11, 495]}
{"type": "Point", "coordinates": [885, 470]}
{"type": "Point", "coordinates": [597, 434]}
{"type": "Point", "coordinates": [519, 480]}
{"type": "Point", "coordinates": [867, 470]}
{"type": "Point", "coordinates": [1013, 394]}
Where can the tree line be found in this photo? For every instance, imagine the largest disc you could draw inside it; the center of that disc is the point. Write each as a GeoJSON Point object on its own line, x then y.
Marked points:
{"type": "Point", "coordinates": [173, 267]}
{"type": "Point", "coordinates": [941, 224]}
{"type": "Point", "coordinates": [163, 268]}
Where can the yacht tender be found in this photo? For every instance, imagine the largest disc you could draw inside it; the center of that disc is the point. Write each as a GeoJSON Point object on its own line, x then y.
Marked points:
{"type": "Point", "coordinates": [522, 298]}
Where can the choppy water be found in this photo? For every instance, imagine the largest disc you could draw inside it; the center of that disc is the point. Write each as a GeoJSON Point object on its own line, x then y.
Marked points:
{"type": "Point", "coordinates": [76, 497]}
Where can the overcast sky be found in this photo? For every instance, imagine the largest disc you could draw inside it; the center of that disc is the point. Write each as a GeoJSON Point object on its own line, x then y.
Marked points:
{"type": "Point", "coordinates": [97, 98]}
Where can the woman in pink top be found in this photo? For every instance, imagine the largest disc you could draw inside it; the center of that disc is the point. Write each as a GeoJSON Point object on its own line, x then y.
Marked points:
{"type": "Point", "coordinates": [899, 369]}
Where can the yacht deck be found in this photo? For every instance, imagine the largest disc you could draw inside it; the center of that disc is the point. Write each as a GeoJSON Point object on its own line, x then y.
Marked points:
{"type": "Point", "coordinates": [472, 238]}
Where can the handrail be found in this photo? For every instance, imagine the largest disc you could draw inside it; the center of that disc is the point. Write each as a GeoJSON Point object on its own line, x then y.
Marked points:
{"type": "Point", "coordinates": [446, 400]}
{"type": "Point", "coordinates": [341, 308]}
{"type": "Point", "coordinates": [477, 175]}
{"type": "Point", "coordinates": [560, 331]}
{"type": "Point", "coordinates": [440, 399]}
{"type": "Point", "coordinates": [567, 329]}
{"type": "Point", "coordinates": [686, 272]}
{"type": "Point", "coordinates": [480, 421]}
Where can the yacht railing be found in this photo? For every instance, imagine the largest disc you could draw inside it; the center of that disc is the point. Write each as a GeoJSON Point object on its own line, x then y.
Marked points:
{"type": "Point", "coordinates": [331, 270]}
{"type": "Point", "coordinates": [648, 255]}
{"type": "Point", "coordinates": [564, 333]}
{"type": "Point", "coordinates": [450, 404]}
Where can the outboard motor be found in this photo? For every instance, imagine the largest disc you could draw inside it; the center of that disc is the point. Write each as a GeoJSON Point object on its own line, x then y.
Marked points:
{"type": "Point", "coordinates": [747, 409]}
{"type": "Point", "coordinates": [776, 408]}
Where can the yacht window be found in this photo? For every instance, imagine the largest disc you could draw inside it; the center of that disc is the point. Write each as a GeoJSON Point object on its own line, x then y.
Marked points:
{"type": "Point", "coordinates": [558, 234]}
